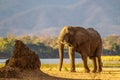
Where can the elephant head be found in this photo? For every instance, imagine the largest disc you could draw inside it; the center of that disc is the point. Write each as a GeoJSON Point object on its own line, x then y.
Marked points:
{"type": "Point", "coordinates": [63, 39]}
{"type": "Point", "coordinates": [72, 37]}
{"type": "Point", "coordinates": [65, 35]}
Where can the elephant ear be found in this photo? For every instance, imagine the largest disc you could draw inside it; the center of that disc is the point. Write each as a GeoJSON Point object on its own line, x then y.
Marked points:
{"type": "Point", "coordinates": [71, 33]}
{"type": "Point", "coordinates": [78, 35]}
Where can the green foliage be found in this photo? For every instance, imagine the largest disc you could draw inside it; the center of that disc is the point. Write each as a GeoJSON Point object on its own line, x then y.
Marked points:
{"type": "Point", "coordinates": [6, 46]}
{"type": "Point", "coordinates": [43, 46]}
{"type": "Point", "coordinates": [111, 45]}
{"type": "Point", "coordinates": [111, 42]}
{"type": "Point", "coordinates": [47, 46]}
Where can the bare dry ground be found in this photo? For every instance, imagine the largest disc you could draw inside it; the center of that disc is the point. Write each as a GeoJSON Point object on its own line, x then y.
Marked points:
{"type": "Point", "coordinates": [54, 74]}
{"type": "Point", "coordinates": [106, 74]}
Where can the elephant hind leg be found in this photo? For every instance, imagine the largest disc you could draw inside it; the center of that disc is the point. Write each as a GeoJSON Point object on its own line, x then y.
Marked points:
{"type": "Point", "coordinates": [98, 55]}
{"type": "Point", "coordinates": [99, 63]}
{"type": "Point", "coordinates": [93, 58]}
{"type": "Point", "coordinates": [94, 65]}
{"type": "Point", "coordinates": [84, 58]}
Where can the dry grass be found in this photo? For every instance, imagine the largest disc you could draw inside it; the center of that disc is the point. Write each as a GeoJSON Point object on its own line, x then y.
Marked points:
{"type": "Point", "coordinates": [110, 58]}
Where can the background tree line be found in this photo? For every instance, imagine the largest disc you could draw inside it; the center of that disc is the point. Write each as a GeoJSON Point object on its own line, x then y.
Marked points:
{"type": "Point", "coordinates": [46, 46]}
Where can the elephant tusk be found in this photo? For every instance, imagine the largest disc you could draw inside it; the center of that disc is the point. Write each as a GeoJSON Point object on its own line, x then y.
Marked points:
{"type": "Point", "coordinates": [65, 43]}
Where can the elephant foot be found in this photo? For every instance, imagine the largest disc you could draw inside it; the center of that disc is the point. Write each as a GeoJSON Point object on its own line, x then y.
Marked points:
{"type": "Point", "coordinates": [94, 71]}
{"type": "Point", "coordinates": [87, 70]}
{"type": "Point", "coordinates": [59, 69]}
{"type": "Point", "coordinates": [72, 70]}
{"type": "Point", "coordinates": [100, 70]}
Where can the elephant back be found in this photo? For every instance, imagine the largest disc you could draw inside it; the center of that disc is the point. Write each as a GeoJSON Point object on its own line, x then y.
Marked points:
{"type": "Point", "coordinates": [94, 35]}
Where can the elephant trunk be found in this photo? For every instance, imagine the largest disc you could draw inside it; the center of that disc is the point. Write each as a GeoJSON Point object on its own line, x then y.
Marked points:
{"type": "Point", "coordinates": [61, 55]}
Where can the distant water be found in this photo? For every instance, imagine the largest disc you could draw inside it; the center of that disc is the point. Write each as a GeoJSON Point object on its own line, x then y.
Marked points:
{"type": "Point", "coordinates": [2, 60]}
{"type": "Point", "coordinates": [51, 61]}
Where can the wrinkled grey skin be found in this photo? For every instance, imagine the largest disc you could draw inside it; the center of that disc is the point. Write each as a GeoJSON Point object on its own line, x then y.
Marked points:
{"type": "Point", "coordinates": [86, 42]}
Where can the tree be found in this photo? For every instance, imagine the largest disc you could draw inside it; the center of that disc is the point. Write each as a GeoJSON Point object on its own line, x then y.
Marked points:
{"type": "Point", "coordinates": [6, 46]}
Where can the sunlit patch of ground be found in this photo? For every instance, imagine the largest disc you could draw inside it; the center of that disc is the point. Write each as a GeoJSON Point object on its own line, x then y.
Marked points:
{"type": "Point", "coordinates": [107, 73]}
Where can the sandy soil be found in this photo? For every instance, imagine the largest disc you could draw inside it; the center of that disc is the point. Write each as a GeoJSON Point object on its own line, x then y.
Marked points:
{"type": "Point", "coordinates": [107, 74]}
{"type": "Point", "coordinates": [46, 74]}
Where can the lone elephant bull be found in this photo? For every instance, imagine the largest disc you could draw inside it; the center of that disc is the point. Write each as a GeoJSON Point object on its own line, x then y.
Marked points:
{"type": "Point", "coordinates": [86, 42]}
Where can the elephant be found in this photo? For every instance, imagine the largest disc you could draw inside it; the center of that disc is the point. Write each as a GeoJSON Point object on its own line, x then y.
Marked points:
{"type": "Point", "coordinates": [86, 42]}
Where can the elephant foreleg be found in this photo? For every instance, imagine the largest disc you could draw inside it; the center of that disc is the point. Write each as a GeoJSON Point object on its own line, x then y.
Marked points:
{"type": "Point", "coordinates": [94, 65]}
{"type": "Point", "coordinates": [84, 58]}
{"type": "Point", "coordinates": [72, 59]}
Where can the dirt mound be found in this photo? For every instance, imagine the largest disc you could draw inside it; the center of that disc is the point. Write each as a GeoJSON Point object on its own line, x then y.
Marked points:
{"type": "Point", "coordinates": [9, 72]}
{"type": "Point", "coordinates": [22, 59]}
